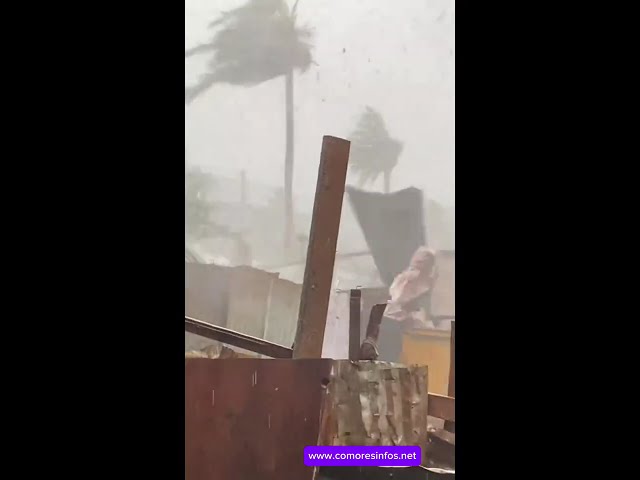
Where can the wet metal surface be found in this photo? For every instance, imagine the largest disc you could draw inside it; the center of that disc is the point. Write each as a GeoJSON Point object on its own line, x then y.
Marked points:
{"type": "Point", "coordinates": [249, 419]}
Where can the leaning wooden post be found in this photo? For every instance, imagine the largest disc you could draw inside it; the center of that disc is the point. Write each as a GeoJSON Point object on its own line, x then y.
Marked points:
{"type": "Point", "coordinates": [321, 252]}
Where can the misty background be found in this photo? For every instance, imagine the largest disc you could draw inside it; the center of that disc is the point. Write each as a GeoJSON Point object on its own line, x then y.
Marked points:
{"type": "Point", "coordinates": [378, 68]}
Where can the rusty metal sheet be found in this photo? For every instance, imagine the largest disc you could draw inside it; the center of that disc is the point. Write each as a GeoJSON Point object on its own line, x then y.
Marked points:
{"type": "Point", "coordinates": [251, 419]}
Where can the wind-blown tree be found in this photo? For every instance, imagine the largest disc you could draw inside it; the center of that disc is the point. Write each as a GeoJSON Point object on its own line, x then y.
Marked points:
{"type": "Point", "coordinates": [255, 43]}
{"type": "Point", "coordinates": [373, 151]}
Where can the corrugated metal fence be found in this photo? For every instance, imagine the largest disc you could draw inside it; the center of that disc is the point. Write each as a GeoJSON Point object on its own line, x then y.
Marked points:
{"type": "Point", "coordinates": [257, 303]}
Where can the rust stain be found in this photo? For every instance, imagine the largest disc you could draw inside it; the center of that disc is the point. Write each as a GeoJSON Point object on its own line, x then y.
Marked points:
{"type": "Point", "coordinates": [254, 429]}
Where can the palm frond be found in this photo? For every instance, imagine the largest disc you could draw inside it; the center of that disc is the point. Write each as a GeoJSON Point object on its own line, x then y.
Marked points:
{"type": "Point", "coordinates": [294, 10]}
{"type": "Point", "coordinates": [204, 48]}
{"type": "Point", "coordinates": [255, 43]}
{"type": "Point", "coordinates": [204, 82]}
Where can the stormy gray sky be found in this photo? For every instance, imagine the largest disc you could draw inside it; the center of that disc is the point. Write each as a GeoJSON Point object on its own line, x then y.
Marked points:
{"type": "Point", "coordinates": [399, 58]}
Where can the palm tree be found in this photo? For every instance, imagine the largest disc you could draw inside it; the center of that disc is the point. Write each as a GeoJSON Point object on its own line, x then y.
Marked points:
{"type": "Point", "coordinates": [255, 43]}
{"type": "Point", "coordinates": [373, 151]}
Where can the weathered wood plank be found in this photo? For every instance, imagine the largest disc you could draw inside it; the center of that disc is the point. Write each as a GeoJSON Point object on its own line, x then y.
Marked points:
{"type": "Point", "coordinates": [441, 406]}
{"type": "Point", "coordinates": [321, 253]}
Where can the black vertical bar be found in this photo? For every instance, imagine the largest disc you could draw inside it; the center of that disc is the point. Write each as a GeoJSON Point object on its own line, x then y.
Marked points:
{"type": "Point", "coordinates": [354, 324]}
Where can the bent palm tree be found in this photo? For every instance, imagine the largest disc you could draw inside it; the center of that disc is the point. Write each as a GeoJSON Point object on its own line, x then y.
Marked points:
{"type": "Point", "coordinates": [373, 151]}
{"type": "Point", "coordinates": [256, 43]}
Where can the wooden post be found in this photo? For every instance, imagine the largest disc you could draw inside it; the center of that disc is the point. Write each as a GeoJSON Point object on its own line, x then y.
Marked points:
{"type": "Point", "coordinates": [369, 348]}
{"type": "Point", "coordinates": [321, 253]}
{"type": "Point", "coordinates": [355, 297]}
{"type": "Point", "coordinates": [451, 426]}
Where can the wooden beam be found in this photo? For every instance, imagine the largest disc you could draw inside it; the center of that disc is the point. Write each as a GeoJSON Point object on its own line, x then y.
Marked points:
{"type": "Point", "coordinates": [237, 339]}
{"type": "Point", "coordinates": [441, 406]}
{"type": "Point", "coordinates": [321, 253]}
{"type": "Point", "coordinates": [355, 297]}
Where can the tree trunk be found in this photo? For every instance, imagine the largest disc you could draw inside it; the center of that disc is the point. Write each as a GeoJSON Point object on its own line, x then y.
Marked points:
{"type": "Point", "coordinates": [387, 181]}
{"type": "Point", "coordinates": [288, 162]}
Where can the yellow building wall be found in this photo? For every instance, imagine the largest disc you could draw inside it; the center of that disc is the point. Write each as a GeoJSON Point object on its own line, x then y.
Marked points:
{"type": "Point", "coordinates": [430, 348]}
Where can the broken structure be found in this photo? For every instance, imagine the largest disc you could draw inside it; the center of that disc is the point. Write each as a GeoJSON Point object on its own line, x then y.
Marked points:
{"type": "Point", "coordinates": [251, 418]}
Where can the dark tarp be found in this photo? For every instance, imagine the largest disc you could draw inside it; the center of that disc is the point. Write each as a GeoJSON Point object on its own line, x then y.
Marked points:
{"type": "Point", "coordinates": [393, 226]}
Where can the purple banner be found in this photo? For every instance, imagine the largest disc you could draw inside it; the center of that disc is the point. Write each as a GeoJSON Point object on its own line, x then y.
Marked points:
{"type": "Point", "coordinates": [362, 456]}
